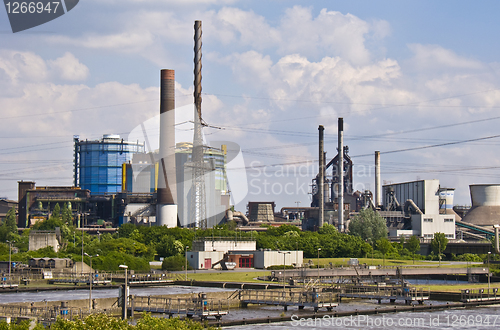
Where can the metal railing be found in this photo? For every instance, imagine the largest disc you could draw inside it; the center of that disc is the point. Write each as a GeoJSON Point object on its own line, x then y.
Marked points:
{"type": "Point", "coordinates": [49, 314]}
{"type": "Point", "coordinates": [278, 296]}
{"type": "Point", "coordinates": [193, 306]}
{"type": "Point", "coordinates": [381, 291]}
{"type": "Point", "coordinates": [481, 294]}
{"type": "Point", "coordinates": [151, 277]}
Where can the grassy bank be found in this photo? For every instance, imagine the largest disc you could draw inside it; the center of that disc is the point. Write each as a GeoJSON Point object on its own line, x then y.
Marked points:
{"type": "Point", "coordinates": [458, 287]}
{"type": "Point", "coordinates": [229, 276]}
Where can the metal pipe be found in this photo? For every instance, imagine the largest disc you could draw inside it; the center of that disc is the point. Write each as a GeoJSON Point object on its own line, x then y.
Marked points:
{"type": "Point", "coordinates": [497, 245]}
{"type": "Point", "coordinates": [326, 192]}
{"type": "Point", "coordinates": [378, 185]}
{"type": "Point", "coordinates": [321, 178]}
{"type": "Point", "coordinates": [341, 174]}
{"type": "Point", "coordinates": [410, 202]}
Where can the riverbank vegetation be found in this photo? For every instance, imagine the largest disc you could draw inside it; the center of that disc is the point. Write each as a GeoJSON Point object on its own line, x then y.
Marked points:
{"type": "Point", "coordinates": [105, 322]}
{"type": "Point", "coordinates": [136, 246]}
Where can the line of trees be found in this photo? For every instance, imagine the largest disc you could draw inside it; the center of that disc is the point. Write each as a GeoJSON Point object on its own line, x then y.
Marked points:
{"type": "Point", "coordinates": [137, 245]}
{"type": "Point", "coordinates": [103, 321]}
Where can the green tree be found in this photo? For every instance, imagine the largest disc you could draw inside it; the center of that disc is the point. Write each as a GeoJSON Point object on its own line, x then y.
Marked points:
{"type": "Point", "coordinates": [169, 246]}
{"type": "Point", "coordinates": [438, 244]}
{"type": "Point", "coordinates": [67, 214]}
{"type": "Point", "coordinates": [174, 263]}
{"type": "Point", "coordinates": [413, 245]}
{"type": "Point", "coordinates": [369, 225]}
{"type": "Point", "coordinates": [8, 229]}
{"type": "Point", "coordinates": [384, 246]}
{"type": "Point", "coordinates": [56, 212]}
{"type": "Point", "coordinates": [126, 229]}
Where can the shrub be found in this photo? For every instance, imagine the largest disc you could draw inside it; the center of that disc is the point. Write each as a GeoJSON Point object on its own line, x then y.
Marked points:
{"type": "Point", "coordinates": [174, 263]}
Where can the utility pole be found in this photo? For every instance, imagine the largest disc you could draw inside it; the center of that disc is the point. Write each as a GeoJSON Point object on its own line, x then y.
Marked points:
{"type": "Point", "coordinates": [319, 249]}
{"type": "Point", "coordinates": [186, 268]}
{"type": "Point", "coordinates": [91, 279]}
{"type": "Point", "coordinates": [125, 294]}
{"type": "Point", "coordinates": [10, 260]}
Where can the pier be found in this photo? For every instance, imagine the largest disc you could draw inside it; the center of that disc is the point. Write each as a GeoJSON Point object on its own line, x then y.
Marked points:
{"type": "Point", "coordinates": [311, 299]}
{"type": "Point", "coordinates": [476, 295]}
{"type": "Point", "coordinates": [200, 306]}
{"type": "Point", "coordinates": [378, 293]}
{"type": "Point", "coordinates": [98, 279]}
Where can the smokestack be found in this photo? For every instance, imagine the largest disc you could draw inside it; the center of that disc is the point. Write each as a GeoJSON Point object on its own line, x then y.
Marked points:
{"type": "Point", "coordinates": [341, 174]}
{"type": "Point", "coordinates": [378, 185]}
{"type": "Point", "coordinates": [166, 208]}
{"type": "Point", "coordinates": [197, 67]}
{"type": "Point", "coordinates": [321, 182]}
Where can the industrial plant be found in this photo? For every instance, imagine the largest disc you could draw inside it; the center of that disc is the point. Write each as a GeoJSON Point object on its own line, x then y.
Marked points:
{"type": "Point", "coordinates": [120, 180]}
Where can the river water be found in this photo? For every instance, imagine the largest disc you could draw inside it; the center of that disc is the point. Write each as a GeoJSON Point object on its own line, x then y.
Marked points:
{"type": "Point", "coordinates": [471, 319]}
{"type": "Point", "coordinates": [100, 293]}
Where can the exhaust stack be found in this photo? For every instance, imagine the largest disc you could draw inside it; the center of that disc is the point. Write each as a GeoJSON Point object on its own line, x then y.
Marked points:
{"type": "Point", "coordinates": [321, 183]}
{"type": "Point", "coordinates": [166, 207]}
{"type": "Point", "coordinates": [341, 174]}
{"type": "Point", "coordinates": [378, 185]}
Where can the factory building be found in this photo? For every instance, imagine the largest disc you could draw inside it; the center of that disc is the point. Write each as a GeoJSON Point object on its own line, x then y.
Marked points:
{"type": "Point", "coordinates": [421, 204]}
{"type": "Point", "coordinates": [5, 206]}
{"type": "Point", "coordinates": [140, 177]}
{"type": "Point", "coordinates": [37, 203]}
{"type": "Point", "coordinates": [215, 183]}
{"type": "Point", "coordinates": [98, 163]}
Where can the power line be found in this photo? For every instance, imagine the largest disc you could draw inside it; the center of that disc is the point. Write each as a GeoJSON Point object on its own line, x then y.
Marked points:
{"type": "Point", "coordinates": [431, 146]}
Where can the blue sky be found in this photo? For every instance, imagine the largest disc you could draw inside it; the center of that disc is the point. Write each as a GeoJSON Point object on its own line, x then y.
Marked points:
{"type": "Point", "coordinates": [272, 72]}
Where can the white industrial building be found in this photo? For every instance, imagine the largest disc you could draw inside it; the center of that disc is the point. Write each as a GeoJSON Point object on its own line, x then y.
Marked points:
{"type": "Point", "coordinates": [209, 253]}
{"type": "Point", "coordinates": [427, 206]}
{"type": "Point", "coordinates": [265, 258]}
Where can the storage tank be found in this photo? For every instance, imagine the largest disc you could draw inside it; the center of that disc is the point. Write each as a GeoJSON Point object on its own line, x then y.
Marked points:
{"type": "Point", "coordinates": [99, 162]}
{"type": "Point", "coordinates": [485, 209]}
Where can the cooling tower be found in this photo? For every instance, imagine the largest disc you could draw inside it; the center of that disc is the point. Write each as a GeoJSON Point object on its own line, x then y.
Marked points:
{"type": "Point", "coordinates": [485, 209]}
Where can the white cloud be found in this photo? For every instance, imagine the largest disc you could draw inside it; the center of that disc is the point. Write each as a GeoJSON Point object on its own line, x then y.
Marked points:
{"type": "Point", "coordinates": [69, 68]}
{"type": "Point", "coordinates": [331, 32]}
{"type": "Point", "coordinates": [22, 66]}
{"type": "Point", "coordinates": [332, 79]}
{"type": "Point", "coordinates": [435, 56]}
{"type": "Point", "coordinates": [126, 41]}
{"type": "Point", "coordinates": [298, 31]}
{"type": "Point", "coordinates": [245, 27]}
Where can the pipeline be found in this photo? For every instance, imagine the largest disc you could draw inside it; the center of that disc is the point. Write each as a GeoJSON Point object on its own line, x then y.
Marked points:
{"type": "Point", "coordinates": [497, 247]}
{"type": "Point", "coordinates": [242, 216]}
{"type": "Point", "coordinates": [411, 203]}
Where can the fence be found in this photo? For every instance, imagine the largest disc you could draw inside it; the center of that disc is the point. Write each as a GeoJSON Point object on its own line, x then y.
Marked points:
{"type": "Point", "coordinates": [191, 306]}
{"type": "Point", "coordinates": [49, 314]}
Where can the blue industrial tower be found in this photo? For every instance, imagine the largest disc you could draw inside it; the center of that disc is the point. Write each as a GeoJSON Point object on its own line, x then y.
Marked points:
{"type": "Point", "coordinates": [99, 163]}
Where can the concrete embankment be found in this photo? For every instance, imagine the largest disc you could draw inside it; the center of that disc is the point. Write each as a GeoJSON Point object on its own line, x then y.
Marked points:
{"type": "Point", "coordinates": [232, 285]}
{"type": "Point", "coordinates": [111, 303]}
{"type": "Point", "coordinates": [375, 311]}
